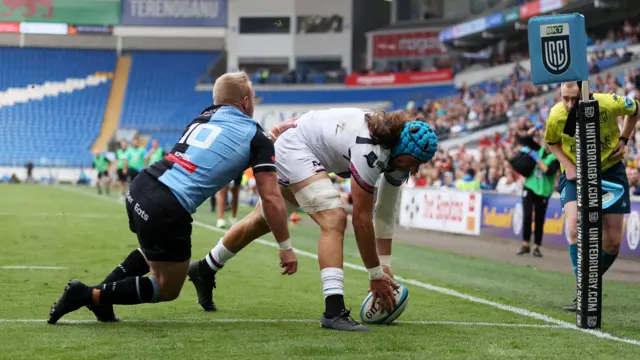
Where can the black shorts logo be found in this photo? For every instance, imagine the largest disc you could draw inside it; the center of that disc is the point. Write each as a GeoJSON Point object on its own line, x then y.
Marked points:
{"type": "Point", "coordinates": [371, 159]}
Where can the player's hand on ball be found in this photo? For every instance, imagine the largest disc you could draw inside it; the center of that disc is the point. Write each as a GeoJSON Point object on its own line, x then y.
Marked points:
{"type": "Point", "coordinates": [382, 290]}
{"type": "Point", "coordinates": [387, 270]}
{"type": "Point", "coordinates": [288, 262]}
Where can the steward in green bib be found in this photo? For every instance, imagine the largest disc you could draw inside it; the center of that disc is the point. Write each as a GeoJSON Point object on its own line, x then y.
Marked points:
{"type": "Point", "coordinates": [121, 158]}
{"type": "Point", "coordinates": [155, 154]}
{"type": "Point", "coordinates": [136, 159]}
{"type": "Point", "coordinates": [101, 164]}
{"type": "Point", "coordinates": [538, 188]}
{"type": "Point", "coordinates": [468, 182]}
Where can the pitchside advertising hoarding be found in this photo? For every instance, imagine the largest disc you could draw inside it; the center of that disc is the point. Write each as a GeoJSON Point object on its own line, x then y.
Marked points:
{"type": "Point", "coordinates": [406, 44]}
{"type": "Point", "coordinates": [441, 210]}
{"type": "Point", "coordinates": [502, 216]}
{"type": "Point", "coordinates": [210, 13]}
{"type": "Point", "coordinates": [80, 12]}
{"type": "Point", "coordinates": [422, 77]}
{"type": "Point", "coordinates": [498, 215]}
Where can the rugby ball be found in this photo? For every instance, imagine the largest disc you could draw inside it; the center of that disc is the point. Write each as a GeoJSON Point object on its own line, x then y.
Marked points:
{"type": "Point", "coordinates": [371, 314]}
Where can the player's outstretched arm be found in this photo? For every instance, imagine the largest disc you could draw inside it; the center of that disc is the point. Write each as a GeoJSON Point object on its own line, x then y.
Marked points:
{"type": "Point", "coordinates": [384, 218]}
{"type": "Point", "coordinates": [275, 210]}
{"type": "Point", "coordinates": [363, 224]}
{"type": "Point", "coordinates": [273, 205]}
{"type": "Point", "coordinates": [381, 284]}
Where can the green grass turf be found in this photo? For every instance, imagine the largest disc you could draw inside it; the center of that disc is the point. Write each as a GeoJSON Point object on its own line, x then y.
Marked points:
{"type": "Point", "coordinates": [92, 237]}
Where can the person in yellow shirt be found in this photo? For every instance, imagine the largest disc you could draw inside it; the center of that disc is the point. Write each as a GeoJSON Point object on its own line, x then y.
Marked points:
{"type": "Point", "coordinates": [560, 136]}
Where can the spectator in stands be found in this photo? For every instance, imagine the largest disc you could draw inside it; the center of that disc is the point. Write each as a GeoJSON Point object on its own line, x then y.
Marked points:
{"type": "Point", "coordinates": [634, 180]}
{"type": "Point", "coordinates": [468, 182]}
{"type": "Point", "coordinates": [508, 183]}
{"type": "Point", "coordinates": [593, 67]}
{"type": "Point", "coordinates": [447, 180]}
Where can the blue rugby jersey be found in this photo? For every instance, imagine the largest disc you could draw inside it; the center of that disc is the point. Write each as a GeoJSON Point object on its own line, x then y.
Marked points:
{"type": "Point", "coordinates": [216, 148]}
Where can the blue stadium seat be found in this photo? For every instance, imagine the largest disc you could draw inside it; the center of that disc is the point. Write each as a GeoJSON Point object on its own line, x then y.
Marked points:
{"type": "Point", "coordinates": [57, 130]}
{"type": "Point", "coordinates": [161, 95]}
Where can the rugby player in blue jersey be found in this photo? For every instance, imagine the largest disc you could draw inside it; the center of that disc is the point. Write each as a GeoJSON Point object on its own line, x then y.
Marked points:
{"type": "Point", "coordinates": [215, 148]}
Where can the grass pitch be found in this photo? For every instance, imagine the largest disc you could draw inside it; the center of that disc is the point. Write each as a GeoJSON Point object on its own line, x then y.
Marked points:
{"type": "Point", "coordinates": [460, 307]}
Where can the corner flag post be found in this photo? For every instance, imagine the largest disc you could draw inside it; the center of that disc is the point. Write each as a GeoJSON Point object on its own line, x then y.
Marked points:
{"type": "Point", "coordinates": [558, 52]}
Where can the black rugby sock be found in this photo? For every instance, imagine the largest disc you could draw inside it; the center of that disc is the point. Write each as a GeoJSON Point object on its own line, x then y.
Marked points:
{"type": "Point", "coordinates": [334, 304]}
{"type": "Point", "coordinates": [130, 291]}
{"type": "Point", "coordinates": [133, 265]}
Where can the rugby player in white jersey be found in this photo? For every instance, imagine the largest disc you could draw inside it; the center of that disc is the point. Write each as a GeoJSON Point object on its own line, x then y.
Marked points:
{"type": "Point", "coordinates": [355, 144]}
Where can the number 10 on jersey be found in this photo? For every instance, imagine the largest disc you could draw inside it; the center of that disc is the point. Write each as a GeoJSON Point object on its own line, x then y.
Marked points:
{"type": "Point", "coordinates": [200, 135]}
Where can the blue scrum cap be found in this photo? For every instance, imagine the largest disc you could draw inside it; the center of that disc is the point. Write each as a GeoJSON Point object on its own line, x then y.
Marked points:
{"type": "Point", "coordinates": [558, 49]}
{"type": "Point", "coordinates": [417, 140]}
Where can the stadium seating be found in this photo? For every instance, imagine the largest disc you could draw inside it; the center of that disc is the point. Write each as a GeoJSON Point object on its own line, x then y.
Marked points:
{"type": "Point", "coordinates": [52, 104]}
{"type": "Point", "coordinates": [161, 92]}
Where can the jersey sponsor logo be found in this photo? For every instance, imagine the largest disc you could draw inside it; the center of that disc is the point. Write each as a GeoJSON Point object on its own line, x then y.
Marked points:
{"type": "Point", "coordinates": [371, 159]}
{"type": "Point", "coordinates": [137, 207]}
{"type": "Point", "coordinates": [184, 163]}
{"type": "Point", "coordinates": [628, 103]}
{"type": "Point", "coordinates": [556, 51]}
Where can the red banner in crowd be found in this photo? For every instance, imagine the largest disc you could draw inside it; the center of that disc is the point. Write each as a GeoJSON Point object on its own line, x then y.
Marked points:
{"type": "Point", "coordinates": [529, 10]}
{"type": "Point", "coordinates": [406, 44]}
{"type": "Point", "coordinates": [423, 77]}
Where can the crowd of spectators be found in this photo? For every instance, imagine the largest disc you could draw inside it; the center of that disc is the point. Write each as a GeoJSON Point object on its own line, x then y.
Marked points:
{"type": "Point", "coordinates": [488, 160]}
{"type": "Point", "coordinates": [490, 102]}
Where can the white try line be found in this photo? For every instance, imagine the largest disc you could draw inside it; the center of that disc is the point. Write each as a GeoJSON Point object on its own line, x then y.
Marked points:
{"type": "Point", "coordinates": [283, 321]}
{"type": "Point", "coordinates": [63, 214]}
{"type": "Point", "coordinates": [442, 290]}
{"type": "Point", "coordinates": [25, 267]}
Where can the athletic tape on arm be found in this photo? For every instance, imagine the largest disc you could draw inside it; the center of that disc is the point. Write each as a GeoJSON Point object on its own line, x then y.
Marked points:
{"type": "Point", "coordinates": [384, 215]}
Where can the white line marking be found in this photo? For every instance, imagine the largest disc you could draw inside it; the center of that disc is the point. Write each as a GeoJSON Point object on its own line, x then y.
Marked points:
{"type": "Point", "coordinates": [278, 321]}
{"type": "Point", "coordinates": [442, 290]}
{"type": "Point", "coordinates": [63, 214]}
{"type": "Point", "coordinates": [33, 267]}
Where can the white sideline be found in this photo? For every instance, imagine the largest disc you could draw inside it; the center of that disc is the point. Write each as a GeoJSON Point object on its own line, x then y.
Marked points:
{"type": "Point", "coordinates": [64, 214]}
{"type": "Point", "coordinates": [442, 290]}
{"type": "Point", "coordinates": [33, 267]}
{"type": "Point", "coordinates": [280, 321]}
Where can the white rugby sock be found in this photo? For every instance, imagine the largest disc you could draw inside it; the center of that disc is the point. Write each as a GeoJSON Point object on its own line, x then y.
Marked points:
{"type": "Point", "coordinates": [218, 256]}
{"type": "Point", "coordinates": [332, 281]}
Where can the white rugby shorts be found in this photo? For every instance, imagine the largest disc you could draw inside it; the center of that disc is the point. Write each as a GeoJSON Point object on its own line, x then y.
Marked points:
{"type": "Point", "coordinates": [295, 162]}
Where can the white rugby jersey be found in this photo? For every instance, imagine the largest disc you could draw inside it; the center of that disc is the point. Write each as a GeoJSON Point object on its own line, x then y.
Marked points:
{"type": "Point", "coordinates": [340, 139]}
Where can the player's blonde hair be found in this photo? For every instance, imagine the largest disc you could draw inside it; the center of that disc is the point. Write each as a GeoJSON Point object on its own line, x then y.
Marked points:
{"type": "Point", "coordinates": [231, 88]}
{"type": "Point", "coordinates": [385, 128]}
